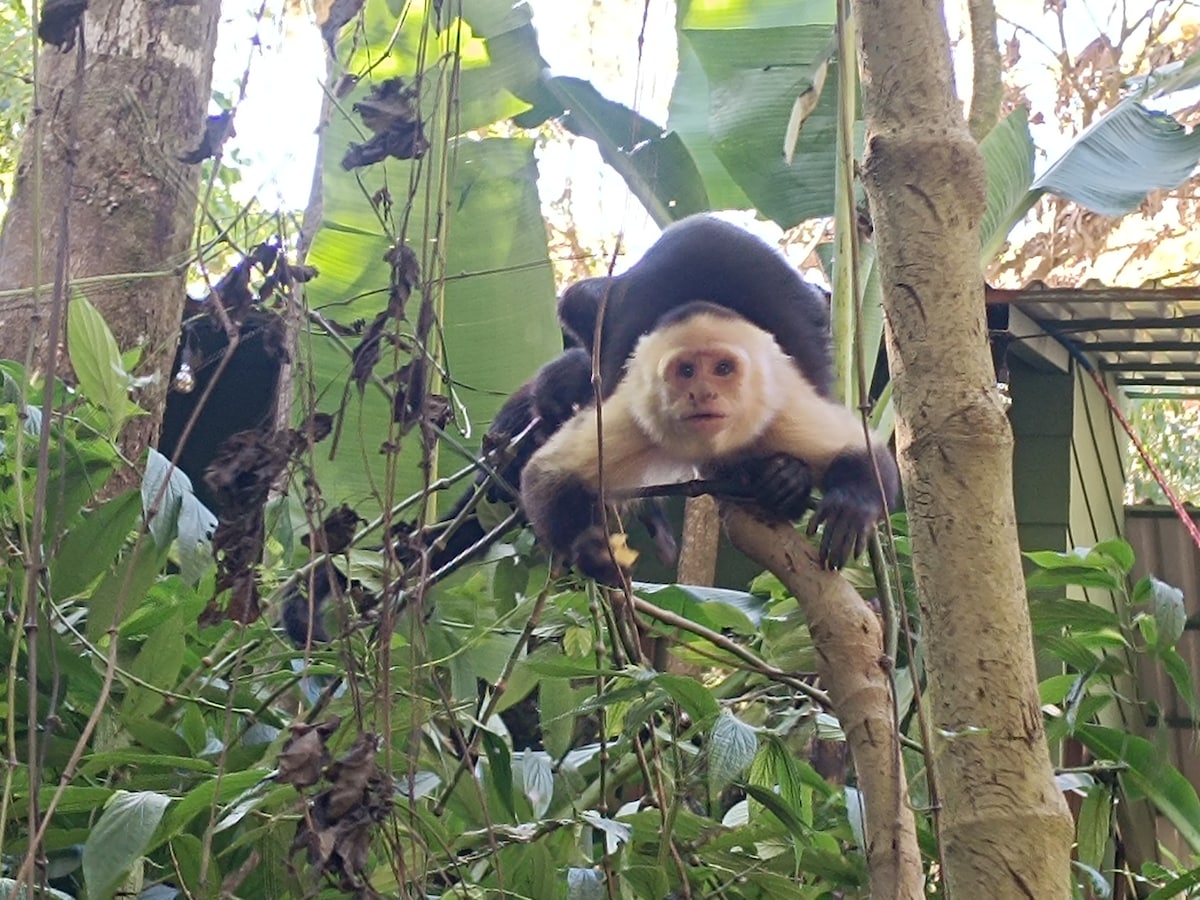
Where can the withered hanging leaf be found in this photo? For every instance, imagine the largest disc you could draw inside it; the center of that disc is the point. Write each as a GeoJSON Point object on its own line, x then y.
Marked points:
{"type": "Point", "coordinates": [274, 336]}
{"type": "Point", "coordinates": [318, 427]}
{"type": "Point", "coordinates": [382, 200]}
{"type": "Point", "coordinates": [365, 356]}
{"type": "Point", "coordinates": [438, 410]}
{"type": "Point", "coordinates": [390, 113]}
{"type": "Point", "coordinates": [240, 477]}
{"type": "Point", "coordinates": [302, 274]}
{"type": "Point", "coordinates": [59, 22]}
{"type": "Point", "coordinates": [337, 834]}
{"type": "Point", "coordinates": [389, 104]}
{"type": "Point", "coordinates": [406, 268]}
{"type": "Point", "coordinates": [403, 142]}
{"type": "Point", "coordinates": [411, 380]}
{"type": "Point", "coordinates": [217, 130]}
{"type": "Point", "coordinates": [305, 754]}
{"type": "Point", "coordinates": [344, 85]}
{"type": "Point", "coordinates": [339, 13]}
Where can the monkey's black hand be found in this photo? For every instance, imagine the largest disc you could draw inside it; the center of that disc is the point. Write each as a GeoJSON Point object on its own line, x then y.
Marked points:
{"type": "Point", "coordinates": [850, 507]}
{"type": "Point", "coordinates": [780, 484]}
{"type": "Point", "coordinates": [591, 556]}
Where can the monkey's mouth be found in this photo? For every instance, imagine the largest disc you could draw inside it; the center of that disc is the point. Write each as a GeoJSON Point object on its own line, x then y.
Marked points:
{"type": "Point", "coordinates": [706, 421]}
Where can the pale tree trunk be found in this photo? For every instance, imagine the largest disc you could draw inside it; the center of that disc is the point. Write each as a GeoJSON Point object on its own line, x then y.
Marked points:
{"type": "Point", "coordinates": [1004, 826]}
{"type": "Point", "coordinates": [109, 139]}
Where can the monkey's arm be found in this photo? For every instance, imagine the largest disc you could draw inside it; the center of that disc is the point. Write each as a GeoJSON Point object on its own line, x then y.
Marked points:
{"type": "Point", "coordinates": [829, 439]}
{"type": "Point", "coordinates": [560, 486]}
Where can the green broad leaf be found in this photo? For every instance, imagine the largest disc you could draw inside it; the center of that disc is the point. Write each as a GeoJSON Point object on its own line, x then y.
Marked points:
{"type": "Point", "coordinates": [188, 854]}
{"type": "Point", "coordinates": [74, 799]}
{"type": "Point", "coordinates": [615, 833]}
{"type": "Point", "coordinates": [1071, 651]}
{"type": "Point", "coordinates": [1076, 558]}
{"type": "Point", "coordinates": [715, 608]}
{"type": "Point", "coordinates": [122, 590]}
{"type": "Point", "coordinates": [201, 798]}
{"type": "Point", "coordinates": [119, 839]}
{"type": "Point", "coordinates": [158, 662]}
{"type": "Point", "coordinates": [73, 486]}
{"type": "Point", "coordinates": [500, 765]}
{"type": "Point", "coordinates": [1054, 615]}
{"type": "Point", "coordinates": [1181, 676]}
{"type": "Point", "coordinates": [1177, 887]}
{"type": "Point", "coordinates": [732, 746]}
{"type": "Point", "coordinates": [688, 117]}
{"type": "Point", "coordinates": [754, 61]}
{"type": "Point", "coordinates": [777, 769]}
{"type": "Point", "coordinates": [1094, 826]}
{"type": "Point", "coordinates": [646, 881]}
{"type": "Point", "coordinates": [655, 165]}
{"type": "Point", "coordinates": [692, 696]}
{"type": "Point", "coordinates": [1148, 775]}
{"type": "Point", "coordinates": [586, 884]}
{"type": "Point", "coordinates": [1067, 577]}
{"type": "Point", "coordinates": [501, 294]}
{"type": "Point", "coordinates": [537, 780]}
{"type": "Point", "coordinates": [97, 363]}
{"type": "Point", "coordinates": [1008, 155]}
{"type": "Point", "coordinates": [1056, 688]}
{"type": "Point", "coordinates": [1123, 156]}
{"type": "Point", "coordinates": [1118, 552]}
{"type": "Point", "coordinates": [780, 810]}
{"type": "Point", "coordinates": [558, 704]}
{"type": "Point", "coordinates": [569, 667]}
{"type": "Point", "coordinates": [90, 547]}
{"type": "Point", "coordinates": [1170, 614]}
{"type": "Point", "coordinates": [162, 740]}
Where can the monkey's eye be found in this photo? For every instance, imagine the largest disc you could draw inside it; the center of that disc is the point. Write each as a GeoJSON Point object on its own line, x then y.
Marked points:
{"type": "Point", "coordinates": [724, 368]}
{"type": "Point", "coordinates": [686, 370]}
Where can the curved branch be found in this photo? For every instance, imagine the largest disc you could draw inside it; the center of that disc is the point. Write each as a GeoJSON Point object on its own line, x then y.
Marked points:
{"type": "Point", "coordinates": [854, 670]}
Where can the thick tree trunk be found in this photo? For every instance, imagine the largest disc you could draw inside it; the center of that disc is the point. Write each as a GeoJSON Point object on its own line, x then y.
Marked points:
{"type": "Point", "coordinates": [108, 147]}
{"type": "Point", "coordinates": [1004, 827]}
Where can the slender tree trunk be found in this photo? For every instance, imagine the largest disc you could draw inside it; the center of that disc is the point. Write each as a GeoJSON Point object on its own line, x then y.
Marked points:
{"type": "Point", "coordinates": [851, 662]}
{"type": "Point", "coordinates": [104, 142]}
{"type": "Point", "coordinates": [1004, 827]}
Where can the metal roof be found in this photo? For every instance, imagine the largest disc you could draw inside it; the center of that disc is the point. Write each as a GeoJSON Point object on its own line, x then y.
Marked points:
{"type": "Point", "coordinates": [1143, 336]}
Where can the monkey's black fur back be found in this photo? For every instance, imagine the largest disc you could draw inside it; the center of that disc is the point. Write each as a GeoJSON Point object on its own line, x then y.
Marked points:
{"type": "Point", "coordinates": [702, 258]}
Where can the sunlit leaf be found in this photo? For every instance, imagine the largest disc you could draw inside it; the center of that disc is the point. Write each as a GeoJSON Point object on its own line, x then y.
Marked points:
{"type": "Point", "coordinates": [1123, 156]}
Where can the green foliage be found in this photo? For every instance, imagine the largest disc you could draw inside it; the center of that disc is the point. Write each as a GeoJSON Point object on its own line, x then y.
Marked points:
{"type": "Point", "coordinates": [1101, 651]}
{"type": "Point", "coordinates": [1168, 428]}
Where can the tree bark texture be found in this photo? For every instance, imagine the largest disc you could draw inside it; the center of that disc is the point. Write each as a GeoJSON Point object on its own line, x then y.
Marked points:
{"type": "Point", "coordinates": [1004, 827]}
{"type": "Point", "coordinates": [851, 665]}
{"type": "Point", "coordinates": [108, 149]}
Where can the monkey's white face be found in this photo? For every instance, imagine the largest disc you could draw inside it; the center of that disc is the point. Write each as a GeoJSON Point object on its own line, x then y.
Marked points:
{"type": "Point", "coordinates": [702, 396]}
{"type": "Point", "coordinates": [701, 387]}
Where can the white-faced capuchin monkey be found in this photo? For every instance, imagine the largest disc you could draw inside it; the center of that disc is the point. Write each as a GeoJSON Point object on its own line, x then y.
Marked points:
{"type": "Point", "coordinates": [707, 392]}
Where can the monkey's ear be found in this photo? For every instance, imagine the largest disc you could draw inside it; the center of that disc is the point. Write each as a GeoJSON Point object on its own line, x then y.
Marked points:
{"type": "Point", "coordinates": [579, 309]}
